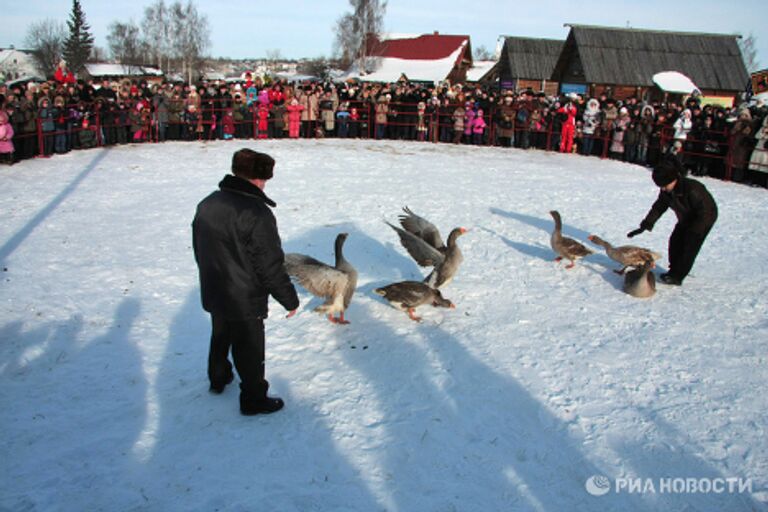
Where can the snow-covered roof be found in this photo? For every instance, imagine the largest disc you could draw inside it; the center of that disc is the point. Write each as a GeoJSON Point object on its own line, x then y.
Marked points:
{"type": "Point", "coordinates": [16, 65]}
{"type": "Point", "coordinates": [97, 70]}
{"type": "Point", "coordinates": [391, 69]}
{"type": "Point", "coordinates": [479, 69]}
{"type": "Point", "coordinates": [213, 75]}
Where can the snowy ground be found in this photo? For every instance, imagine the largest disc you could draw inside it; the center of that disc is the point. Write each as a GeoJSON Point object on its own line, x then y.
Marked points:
{"type": "Point", "coordinates": [540, 379]}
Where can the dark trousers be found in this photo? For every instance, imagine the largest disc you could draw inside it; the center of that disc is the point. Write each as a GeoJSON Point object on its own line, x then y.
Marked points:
{"type": "Point", "coordinates": [684, 246]}
{"type": "Point", "coordinates": [246, 339]}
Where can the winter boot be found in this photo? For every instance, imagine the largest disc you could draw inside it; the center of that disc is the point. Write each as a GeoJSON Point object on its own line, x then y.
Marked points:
{"type": "Point", "coordinates": [268, 405]}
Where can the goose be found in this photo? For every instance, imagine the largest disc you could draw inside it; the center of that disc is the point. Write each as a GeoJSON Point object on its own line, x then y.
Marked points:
{"type": "Point", "coordinates": [640, 282]}
{"type": "Point", "coordinates": [627, 255]}
{"type": "Point", "coordinates": [423, 242]}
{"type": "Point", "coordinates": [336, 284]}
{"type": "Point", "coordinates": [565, 247]}
{"type": "Point", "coordinates": [408, 295]}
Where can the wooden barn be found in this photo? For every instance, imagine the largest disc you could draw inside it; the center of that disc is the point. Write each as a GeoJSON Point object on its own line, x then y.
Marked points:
{"type": "Point", "coordinates": [621, 62]}
{"type": "Point", "coordinates": [528, 63]}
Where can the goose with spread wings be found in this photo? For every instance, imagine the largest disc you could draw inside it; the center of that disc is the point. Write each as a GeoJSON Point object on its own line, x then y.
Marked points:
{"type": "Point", "coordinates": [335, 284]}
{"type": "Point", "coordinates": [423, 242]}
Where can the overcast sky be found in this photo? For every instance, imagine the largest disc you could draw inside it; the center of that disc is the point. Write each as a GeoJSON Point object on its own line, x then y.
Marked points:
{"type": "Point", "coordinates": [304, 28]}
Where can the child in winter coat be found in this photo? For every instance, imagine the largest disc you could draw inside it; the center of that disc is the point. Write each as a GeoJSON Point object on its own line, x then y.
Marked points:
{"type": "Point", "coordinates": [87, 134]}
{"type": "Point", "coordinates": [458, 124]}
{"type": "Point", "coordinates": [354, 122]}
{"type": "Point", "coordinates": [469, 121]}
{"type": "Point", "coordinates": [6, 139]}
{"type": "Point", "coordinates": [263, 125]}
{"type": "Point", "coordinates": [591, 120]}
{"type": "Point", "coordinates": [620, 126]}
{"type": "Point", "coordinates": [228, 122]}
{"type": "Point", "coordinates": [294, 118]}
{"type": "Point", "coordinates": [421, 123]}
{"type": "Point", "coordinates": [478, 128]}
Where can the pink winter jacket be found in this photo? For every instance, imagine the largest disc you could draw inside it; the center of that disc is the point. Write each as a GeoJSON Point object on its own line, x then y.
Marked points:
{"type": "Point", "coordinates": [478, 125]}
{"type": "Point", "coordinates": [6, 136]}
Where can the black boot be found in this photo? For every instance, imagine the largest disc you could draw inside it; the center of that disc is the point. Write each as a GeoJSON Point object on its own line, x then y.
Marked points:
{"type": "Point", "coordinates": [670, 279]}
{"type": "Point", "coordinates": [266, 405]}
{"type": "Point", "coordinates": [217, 388]}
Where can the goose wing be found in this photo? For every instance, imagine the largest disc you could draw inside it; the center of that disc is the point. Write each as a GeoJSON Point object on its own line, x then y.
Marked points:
{"type": "Point", "coordinates": [633, 255]}
{"type": "Point", "coordinates": [422, 228]}
{"type": "Point", "coordinates": [320, 279]}
{"type": "Point", "coordinates": [570, 248]}
{"type": "Point", "coordinates": [425, 254]}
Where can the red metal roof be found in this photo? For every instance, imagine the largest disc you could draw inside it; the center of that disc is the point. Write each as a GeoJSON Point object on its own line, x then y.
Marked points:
{"type": "Point", "coordinates": [424, 47]}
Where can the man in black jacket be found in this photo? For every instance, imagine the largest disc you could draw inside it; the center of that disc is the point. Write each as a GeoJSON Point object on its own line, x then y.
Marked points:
{"type": "Point", "coordinates": [696, 214]}
{"type": "Point", "coordinates": [240, 260]}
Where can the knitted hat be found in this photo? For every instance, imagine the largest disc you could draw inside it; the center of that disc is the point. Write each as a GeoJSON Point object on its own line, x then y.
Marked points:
{"type": "Point", "coordinates": [665, 173]}
{"type": "Point", "coordinates": [250, 164]}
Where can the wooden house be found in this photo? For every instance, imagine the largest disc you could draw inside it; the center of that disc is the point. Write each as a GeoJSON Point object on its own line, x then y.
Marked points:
{"type": "Point", "coordinates": [528, 63]}
{"type": "Point", "coordinates": [621, 62]}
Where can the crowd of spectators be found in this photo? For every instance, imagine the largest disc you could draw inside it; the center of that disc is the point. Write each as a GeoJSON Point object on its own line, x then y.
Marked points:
{"type": "Point", "coordinates": [60, 115]}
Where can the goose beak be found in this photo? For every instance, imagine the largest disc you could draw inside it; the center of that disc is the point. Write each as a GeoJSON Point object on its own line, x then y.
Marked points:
{"type": "Point", "coordinates": [463, 230]}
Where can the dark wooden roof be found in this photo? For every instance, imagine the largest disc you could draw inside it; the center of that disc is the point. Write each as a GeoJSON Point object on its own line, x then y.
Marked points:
{"type": "Point", "coordinates": [529, 58]}
{"type": "Point", "coordinates": [632, 56]}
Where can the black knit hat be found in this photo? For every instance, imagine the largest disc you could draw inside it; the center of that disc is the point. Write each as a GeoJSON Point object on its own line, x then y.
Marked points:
{"type": "Point", "coordinates": [250, 164]}
{"type": "Point", "coordinates": [665, 173]}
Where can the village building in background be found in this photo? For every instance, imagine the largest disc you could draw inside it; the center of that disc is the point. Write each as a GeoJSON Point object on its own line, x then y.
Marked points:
{"type": "Point", "coordinates": [621, 63]}
{"type": "Point", "coordinates": [528, 63]}
{"type": "Point", "coordinates": [423, 58]}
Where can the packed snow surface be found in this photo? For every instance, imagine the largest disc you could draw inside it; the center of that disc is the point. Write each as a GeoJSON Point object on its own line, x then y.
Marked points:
{"type": "Point", "coordinates": [542, 383]}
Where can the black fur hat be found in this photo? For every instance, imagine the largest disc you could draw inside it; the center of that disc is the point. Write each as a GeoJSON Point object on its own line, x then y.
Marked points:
{"type": "Point", "coordinates": [665, 173]}
{"type": "Point", "coordinates": [250, 164]}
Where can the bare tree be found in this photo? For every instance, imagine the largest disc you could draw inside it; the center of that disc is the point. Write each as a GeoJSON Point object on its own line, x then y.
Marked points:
{"type": "Point", "coordinates": [273, 57]}
{"type": "Point", "coordinates": [46, 40]}
{"type": "Point", "coordinates": [748, 46]}
{"type": "Point", "coordinates": [156, 29]}
{"type": "Point", "coordinates": [98, 54]}
{"type": "Point", "coordinates": [482, 53]}
{"type": "Point", "coordinates": [346, 41]}
{"type": "Point", "coordinates": [124, 42]}
{"type": "Point", "coordinates": [190, 36]}
{"type": "Point", "coordinates": [354, 31]}
{"type": "Point", "coordinates": [318, 67]}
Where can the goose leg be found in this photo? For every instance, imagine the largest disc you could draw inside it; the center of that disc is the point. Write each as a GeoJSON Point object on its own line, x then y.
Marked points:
{"type": "Point", "coordinates": [332, 319]}
{"type": "Point", "coordinates": [570, 265]}
{"type": "Point", "coordinates": [341, 320]}
{"type": "Point", "coordinates": [412, 316]}
{"type": "Point", "coordinates": [559, 258]}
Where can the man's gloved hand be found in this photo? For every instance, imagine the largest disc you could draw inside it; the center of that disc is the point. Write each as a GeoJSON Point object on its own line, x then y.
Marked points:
{"type": "Point", "coordinates": [644, 226]}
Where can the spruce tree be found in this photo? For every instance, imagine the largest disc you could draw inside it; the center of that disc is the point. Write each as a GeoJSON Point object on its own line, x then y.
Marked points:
{"type": "Point", "coordinates": [77, 47]}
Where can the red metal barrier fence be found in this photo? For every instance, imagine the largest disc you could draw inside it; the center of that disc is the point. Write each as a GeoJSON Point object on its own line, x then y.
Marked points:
{"type": "Point", "coordinates": [403, 121]}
